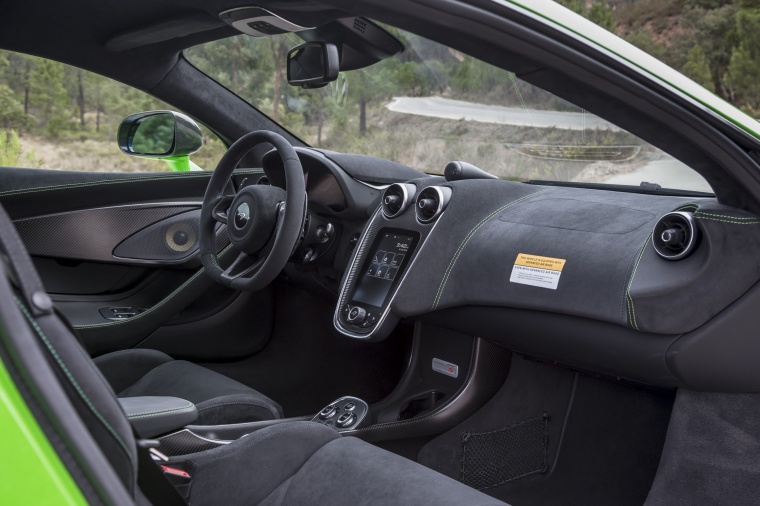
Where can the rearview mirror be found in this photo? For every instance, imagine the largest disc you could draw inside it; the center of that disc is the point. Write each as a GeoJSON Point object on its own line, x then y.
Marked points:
{"type": "Point", "coordinates": [313, 64]}
{"type": "Point", "coordinates": [159, 134]}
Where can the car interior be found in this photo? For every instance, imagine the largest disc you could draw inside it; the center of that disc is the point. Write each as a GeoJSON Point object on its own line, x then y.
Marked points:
{"type": "Point", "coordinates": [305, 326]}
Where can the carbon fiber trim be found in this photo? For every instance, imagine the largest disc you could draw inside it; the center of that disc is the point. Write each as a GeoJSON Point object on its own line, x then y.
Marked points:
{"type": "Point", "coordinates": [184, 442]}
{"type": "Point", "coordinates": [488, 371]}
{"type": "Point", "coordinates": [157, 242]}
{"type": "Point", "coordinates": [92, 234]}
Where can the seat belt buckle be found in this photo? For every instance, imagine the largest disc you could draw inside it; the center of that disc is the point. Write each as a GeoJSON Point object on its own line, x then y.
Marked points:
{"type": "Point", "coordinates": [174, 471]}
{"type": "Point", "coordinates": [151, 445]}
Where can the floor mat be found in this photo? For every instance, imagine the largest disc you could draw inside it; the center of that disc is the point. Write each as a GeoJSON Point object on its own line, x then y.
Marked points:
{"type": "Point", "coordinates": [712, 452]}
{"type": "Point", "coordinates": [604, 438]}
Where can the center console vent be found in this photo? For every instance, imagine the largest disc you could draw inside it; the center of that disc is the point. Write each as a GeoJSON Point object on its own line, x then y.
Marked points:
{"type": "Point", "coordinates": [396, 199]}
{"type": "Point", "coordinates": [431, 202]}
{"type": "Point", "coordinates": [675, 236]}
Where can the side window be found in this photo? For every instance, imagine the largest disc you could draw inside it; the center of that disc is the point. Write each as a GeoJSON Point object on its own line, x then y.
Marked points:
{"type": "Point", "coordinates": [54, 116]}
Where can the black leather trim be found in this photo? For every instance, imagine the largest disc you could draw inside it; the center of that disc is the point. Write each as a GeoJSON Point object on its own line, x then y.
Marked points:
{"type": "Point", "coordinates": [153, 416]}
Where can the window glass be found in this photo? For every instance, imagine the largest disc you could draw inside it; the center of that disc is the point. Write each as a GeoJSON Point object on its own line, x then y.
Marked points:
{"type": "Point", "coordinates": [432, 104]}
{"type": "Point", "coordinates": [54, 116]}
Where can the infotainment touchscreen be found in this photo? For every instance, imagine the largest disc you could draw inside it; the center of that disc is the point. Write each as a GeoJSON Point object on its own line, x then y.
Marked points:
{"type": "Point", "coordinates": [388, 258]}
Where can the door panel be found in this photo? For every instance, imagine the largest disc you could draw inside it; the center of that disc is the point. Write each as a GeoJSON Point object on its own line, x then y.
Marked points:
{"type": "Point", "coordinates": [72, 222]}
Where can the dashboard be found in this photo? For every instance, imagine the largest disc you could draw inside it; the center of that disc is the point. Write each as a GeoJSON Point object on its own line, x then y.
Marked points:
{"type": "Point", "coordinates": [655, 289]}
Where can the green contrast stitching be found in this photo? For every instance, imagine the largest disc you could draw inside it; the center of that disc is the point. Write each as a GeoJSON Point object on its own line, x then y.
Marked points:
{"type": "Point", "coordinates": [702, 213]}
{"type": "Point", "coordinates": [631, 307]}
{"type": "Point", "coordinates": [160, 412]}
{"type": "Point", "coordinates": [731, 221]}
{"type": "Point", "coordinates": [74, 383]}
{"type": "Point", "coordinates": [117, 181]}
{"type": "Point", "coordinates": [467, 239]}
{"type": "Point", "coordinates": [152, 309]}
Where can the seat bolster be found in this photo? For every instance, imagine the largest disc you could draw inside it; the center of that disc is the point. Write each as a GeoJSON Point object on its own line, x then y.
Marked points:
{"type": "Point", "coordinates": [348, 471]}
{"type": "Point", "coordinates": [247, 470]}
{"type": "Point", "coordinates": [124, 368]}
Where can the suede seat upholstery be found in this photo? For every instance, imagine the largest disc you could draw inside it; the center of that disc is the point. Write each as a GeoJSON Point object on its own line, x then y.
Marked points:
{"type": "Point", "coordinates": [219, 399]}
{"type": "Point", "coordinates": [306, 463]}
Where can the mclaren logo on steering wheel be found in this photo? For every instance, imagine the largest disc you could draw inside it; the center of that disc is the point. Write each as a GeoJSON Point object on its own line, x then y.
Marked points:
{"type": "Point", "coordinates": [242, 215]}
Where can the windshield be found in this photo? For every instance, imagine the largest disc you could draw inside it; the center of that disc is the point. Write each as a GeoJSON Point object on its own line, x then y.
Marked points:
{"type": "Point", "coordinates": [432, 104]}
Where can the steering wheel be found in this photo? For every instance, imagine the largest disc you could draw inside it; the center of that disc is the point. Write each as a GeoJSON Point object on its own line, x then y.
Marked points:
{"type": "Point", "coordinates": [264, 223]}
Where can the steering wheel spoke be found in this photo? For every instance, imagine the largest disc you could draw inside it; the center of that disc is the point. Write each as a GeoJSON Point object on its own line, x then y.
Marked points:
{"type": "Point", "coordinates": [243, 266]}
{"type": "Point", "coordinates": [221, 207]}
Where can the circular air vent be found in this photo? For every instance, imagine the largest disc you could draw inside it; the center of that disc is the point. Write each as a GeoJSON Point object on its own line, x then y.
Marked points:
{"type": "Point", "coordinates": [431, 202]}
{"type": "Point", "coordinates": [675, 236]}
{"type": "Point", "coordinates": [396, 198]}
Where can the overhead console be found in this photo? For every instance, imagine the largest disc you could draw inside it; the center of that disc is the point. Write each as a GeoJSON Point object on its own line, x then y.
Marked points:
{"type": "Point", "coordinates": [386, 250]}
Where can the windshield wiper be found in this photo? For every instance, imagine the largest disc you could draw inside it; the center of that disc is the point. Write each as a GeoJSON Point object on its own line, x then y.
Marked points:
{"type": "Point", "coordinates": [644, 187]}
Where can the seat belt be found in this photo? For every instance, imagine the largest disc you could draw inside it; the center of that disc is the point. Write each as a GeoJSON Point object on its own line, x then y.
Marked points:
{"type": "Point", "coordinates": [152, 481]}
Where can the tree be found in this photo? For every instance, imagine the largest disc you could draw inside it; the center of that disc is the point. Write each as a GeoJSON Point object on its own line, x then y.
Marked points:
{"type": "Point", "coordinates": [602, 15]}
{"type": "Point", "coordinates": [48, 94]}
{"type": "Point", "coordinates": [696, 68]}
{"type": "Point", "coordinates": [279, 55]}
{"type": "Point", "coordinates": [11, 111]}
{"type": "Point", "coordinates": [744, 67]}
{"type": "Point", "coordinates": [716, 31]}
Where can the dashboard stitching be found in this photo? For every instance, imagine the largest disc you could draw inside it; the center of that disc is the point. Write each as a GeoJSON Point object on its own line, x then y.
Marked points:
{"type": "Point", "coordinates": [68, 186]}
{"type": "Point", "coordinates": [467, 239]}
{"type": "Point", "coordinates": [735, 220]}
{"type": "Point", "coordinates": [629, 297]}
{"type": "Point", "coordinates": [625, 306]}
{"type": "Point", "coordinates": [756, 222]}
{"type": "Point", "coordinates": [702, 213]}
{"type": "Point", "coordinates": [631, 308]}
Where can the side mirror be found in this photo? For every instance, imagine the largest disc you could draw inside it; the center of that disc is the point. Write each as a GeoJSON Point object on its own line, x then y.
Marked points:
{"type": "Point", "coordinates": [313, 64]}
{"type": "Point", "coordinates": [159, 134]}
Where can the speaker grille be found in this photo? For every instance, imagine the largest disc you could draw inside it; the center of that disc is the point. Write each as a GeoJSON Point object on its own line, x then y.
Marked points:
{"type": "Point", "coordinates": [171, 239]}
{"type": "Point", "coordinates": [360, 25]}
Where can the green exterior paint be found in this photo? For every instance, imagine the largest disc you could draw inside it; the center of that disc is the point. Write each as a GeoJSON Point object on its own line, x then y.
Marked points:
{"type": "Point", "coordinates": [566, 19]}
{"type": "Point", "coordinates": [180, 164]}
{"type": "Point", "coordinates": [30, 470]}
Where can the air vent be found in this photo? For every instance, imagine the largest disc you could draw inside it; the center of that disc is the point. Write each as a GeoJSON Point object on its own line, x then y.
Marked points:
{"type": "Point", "coordinates": [675, 236]}
{"type": "Point", "coordinates": [431, 202]}
{"type": "Point", "coordinates": [396, 198]}
{"type": "Point", "coordinates": [263, 180]}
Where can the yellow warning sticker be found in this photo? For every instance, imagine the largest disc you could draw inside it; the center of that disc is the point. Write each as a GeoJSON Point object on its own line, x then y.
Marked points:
{"type": "Point", "coordinates": [534, 270]}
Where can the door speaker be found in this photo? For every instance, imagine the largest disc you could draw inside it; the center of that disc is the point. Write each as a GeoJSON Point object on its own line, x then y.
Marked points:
{"type": "Point", "coordinates": [180, 237]}
{"type": "Point", "coordinates": [169, 240]}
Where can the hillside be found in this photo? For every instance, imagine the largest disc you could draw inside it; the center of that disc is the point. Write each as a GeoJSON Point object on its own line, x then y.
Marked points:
{"type": "Point", "coordinates": [714, 42]}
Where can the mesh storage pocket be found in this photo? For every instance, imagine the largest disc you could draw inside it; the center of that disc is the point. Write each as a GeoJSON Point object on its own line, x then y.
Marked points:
{"type": "Point", "coordinates": [493, 458]}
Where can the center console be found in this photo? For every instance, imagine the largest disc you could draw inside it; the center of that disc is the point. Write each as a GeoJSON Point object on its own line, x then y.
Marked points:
{"type": "Point", "coordinates": [386, 251]}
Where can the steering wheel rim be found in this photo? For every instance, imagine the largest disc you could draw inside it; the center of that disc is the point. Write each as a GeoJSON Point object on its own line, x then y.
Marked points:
{"type": "Point", "coordinates": [289, 218]}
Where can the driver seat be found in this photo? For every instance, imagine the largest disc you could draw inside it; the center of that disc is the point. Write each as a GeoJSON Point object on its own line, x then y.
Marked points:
{"type": "Point", "coordinates": [218, 399]}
